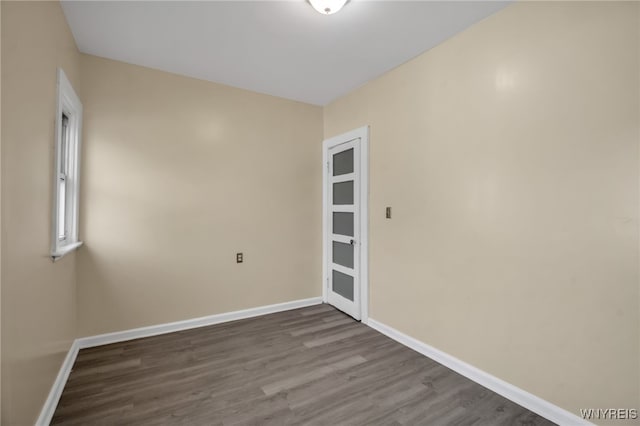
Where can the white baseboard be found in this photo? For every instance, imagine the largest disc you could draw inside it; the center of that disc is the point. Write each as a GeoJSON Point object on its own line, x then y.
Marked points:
{"type": "Point", "coordinates": [154, 330]}
{"type": "Point", "coordinates": [121, 336]}
{"type": "Point", "coordinates": [529, 401]}
{"type": "Point", "coordinates": [51, 403]}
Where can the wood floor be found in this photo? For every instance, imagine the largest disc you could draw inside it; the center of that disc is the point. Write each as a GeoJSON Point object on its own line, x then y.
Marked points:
{"type": "Point", "coordinates": [311, 366]}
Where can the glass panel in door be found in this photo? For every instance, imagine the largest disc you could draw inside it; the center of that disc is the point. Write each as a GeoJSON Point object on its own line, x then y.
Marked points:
{"type": "Point", "coordinates": [343, 162]}
{"type": "Point", "coordinates": [343, 284]}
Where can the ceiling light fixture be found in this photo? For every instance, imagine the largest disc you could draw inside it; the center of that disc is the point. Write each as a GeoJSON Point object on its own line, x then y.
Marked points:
{"type": "Point", "coordinates": [327, 7]}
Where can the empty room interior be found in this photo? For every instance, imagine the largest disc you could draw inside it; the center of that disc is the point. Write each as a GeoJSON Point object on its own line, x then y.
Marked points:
{"type": "Point", "coordinates": [320, 212]}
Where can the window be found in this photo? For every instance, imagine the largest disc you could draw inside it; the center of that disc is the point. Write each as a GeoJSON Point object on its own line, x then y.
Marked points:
{"type": "Point", "coordinates": [67, 167]}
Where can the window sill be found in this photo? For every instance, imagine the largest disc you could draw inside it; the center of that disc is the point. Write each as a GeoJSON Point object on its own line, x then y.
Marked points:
{"type": "Point", "coordinates": [64, 250]}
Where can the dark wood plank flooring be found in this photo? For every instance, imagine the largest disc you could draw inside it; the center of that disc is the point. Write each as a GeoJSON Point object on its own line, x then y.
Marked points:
{"type": "Point", "coordinates": [311, 366]}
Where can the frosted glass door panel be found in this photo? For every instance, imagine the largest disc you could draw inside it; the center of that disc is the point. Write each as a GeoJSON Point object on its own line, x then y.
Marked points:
{"type": "Point", "coordinates": [343, 193]}
{"type": "Point", "coordinates": [343, 223]}
{"type": "Point", "coordinates": [343, 285]}
{"type": "Point", "coordinates": [343, 254]}
{"type": "Point", "coordinates": [343, 162]}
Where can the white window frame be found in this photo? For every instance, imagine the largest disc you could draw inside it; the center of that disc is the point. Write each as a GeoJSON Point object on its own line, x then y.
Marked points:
{"type": "Point", "coordinates": [69, 105]}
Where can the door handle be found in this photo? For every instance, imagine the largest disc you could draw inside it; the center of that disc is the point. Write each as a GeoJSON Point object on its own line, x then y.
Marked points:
{"type": "Point", "coordinates": [352, 241]}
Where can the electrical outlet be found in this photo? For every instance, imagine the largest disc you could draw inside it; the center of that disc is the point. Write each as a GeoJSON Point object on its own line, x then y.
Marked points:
{"type": "Point", "coordinates": [239, 258]}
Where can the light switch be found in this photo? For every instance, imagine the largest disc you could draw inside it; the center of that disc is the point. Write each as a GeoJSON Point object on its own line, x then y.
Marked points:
{"type": "Point", "coordinates": [388, 212]}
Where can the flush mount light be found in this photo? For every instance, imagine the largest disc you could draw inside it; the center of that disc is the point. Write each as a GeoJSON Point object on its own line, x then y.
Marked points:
{"type": "Point", "coordinates": [327, 7]}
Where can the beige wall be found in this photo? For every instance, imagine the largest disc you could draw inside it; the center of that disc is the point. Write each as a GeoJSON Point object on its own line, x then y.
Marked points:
{"type": "Point", "coordinates": [510, 157]}
{"type": "Point", "coordinates": [38, 296]}
{"type": "Point", "coordinates": [0, 213]}
{"type": "Point", "coordinates": [179, 175]}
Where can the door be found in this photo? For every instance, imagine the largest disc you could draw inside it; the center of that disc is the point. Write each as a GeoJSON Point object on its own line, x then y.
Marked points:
{"type": "Point", "coordinates": [344, 223]}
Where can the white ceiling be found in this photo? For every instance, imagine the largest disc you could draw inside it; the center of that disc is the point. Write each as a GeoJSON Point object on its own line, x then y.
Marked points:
{"type": "Point", "coordinates": [281, 48]}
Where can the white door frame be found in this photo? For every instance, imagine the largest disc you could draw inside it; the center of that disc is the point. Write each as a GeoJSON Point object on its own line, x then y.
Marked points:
{"type": "Point", "coordinates": [361, 133]}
